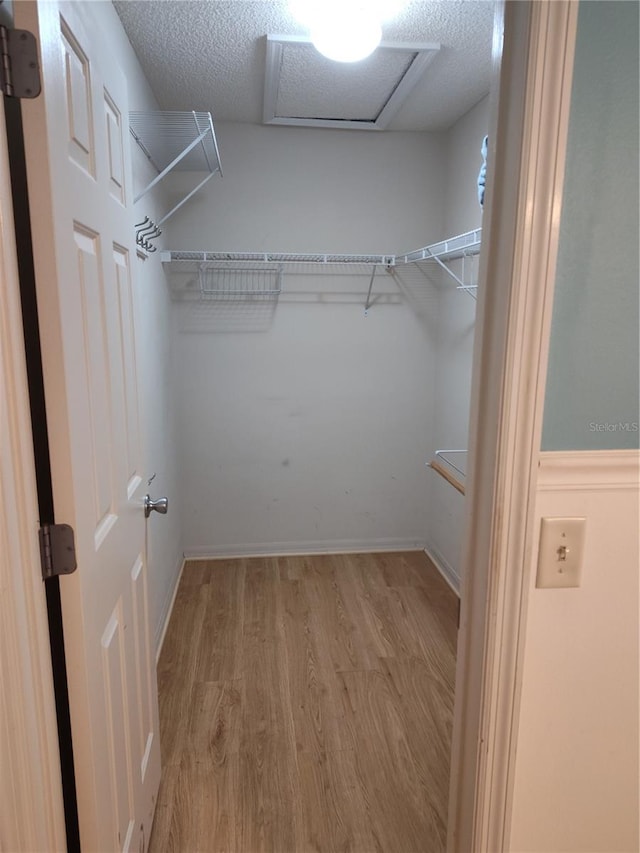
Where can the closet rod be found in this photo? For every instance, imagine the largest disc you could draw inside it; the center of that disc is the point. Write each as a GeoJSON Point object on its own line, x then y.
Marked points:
{"type": "Point", "coordinates": [440, 469]}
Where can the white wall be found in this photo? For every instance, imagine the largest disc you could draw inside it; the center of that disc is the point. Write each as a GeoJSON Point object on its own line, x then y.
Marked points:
{"type": "Point", "coordinates": [155, 357]}
{"type": "Point", "coordinates": [456, 312]}
{"type": "Point", "coordinates": [304, 425]}
{"type": "Point", "coordinates": [576, 779]}
{"type": "Point", "coordinates": [294, 189]}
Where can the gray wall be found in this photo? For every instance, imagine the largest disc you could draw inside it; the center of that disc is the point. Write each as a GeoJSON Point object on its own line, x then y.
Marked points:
{"type": "Point", "coordinates": [592, 382]}
{"type": "Point", "coordinates": [305, 424]}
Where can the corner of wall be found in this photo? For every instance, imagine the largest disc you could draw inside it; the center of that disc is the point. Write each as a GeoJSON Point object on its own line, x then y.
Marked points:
{"type": "Point", "coordinates": [167, 609]}
{"type": "Point", "coordinates": [456, 320]}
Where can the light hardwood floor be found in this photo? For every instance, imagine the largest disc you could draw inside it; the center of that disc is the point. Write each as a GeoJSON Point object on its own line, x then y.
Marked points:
{"type": "Point", "coordinates": [306, 705]}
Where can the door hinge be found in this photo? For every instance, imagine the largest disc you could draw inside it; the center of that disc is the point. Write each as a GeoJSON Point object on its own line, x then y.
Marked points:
{"type": "Point", "coordinates": [57, 550]}
{"type": "Point", "coordinates": [19, 69]}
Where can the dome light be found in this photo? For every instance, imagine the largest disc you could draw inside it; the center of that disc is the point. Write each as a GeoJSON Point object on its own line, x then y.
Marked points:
{"type": "Point", "coordinates": [351, 34]}
{"type": "Point", "coordinates": [345, 30]}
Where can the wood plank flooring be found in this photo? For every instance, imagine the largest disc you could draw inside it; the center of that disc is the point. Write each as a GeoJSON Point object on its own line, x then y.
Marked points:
{"type": "Point", "coordinates": [306, 705]}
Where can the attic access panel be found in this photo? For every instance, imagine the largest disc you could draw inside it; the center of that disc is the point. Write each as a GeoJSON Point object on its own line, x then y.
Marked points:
{"type": "Point", "coordinates": [304, 89]}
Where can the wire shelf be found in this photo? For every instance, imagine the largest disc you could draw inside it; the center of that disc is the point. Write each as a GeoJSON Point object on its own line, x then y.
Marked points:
{"type": "Point", "coordinates": [229, 282]}
{"type": "Point", "coordinates": [278, 258]}
{"type": "Point", "coordinates": [462, 246]}
{"type": "Point", "coordinates": [163, 136]}
{"type": "Point", "coordinates": [188, 266]}
{"type": "Point", "coordinates": [245, 274]}
{"type": "Point", "coordinates": [181, 141]}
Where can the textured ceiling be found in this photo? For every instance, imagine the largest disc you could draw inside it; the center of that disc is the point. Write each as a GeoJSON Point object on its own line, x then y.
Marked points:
{"type": "Point", "coordinates": [210, 55]}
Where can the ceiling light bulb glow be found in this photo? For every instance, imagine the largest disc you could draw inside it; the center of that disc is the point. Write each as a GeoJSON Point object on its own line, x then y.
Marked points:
{"type": "Point", "coordinates": [305, 11]}
{"type": "Point", "coordinates": [386, 10]}
{"type": "Point", "coordinates": [349, 35]}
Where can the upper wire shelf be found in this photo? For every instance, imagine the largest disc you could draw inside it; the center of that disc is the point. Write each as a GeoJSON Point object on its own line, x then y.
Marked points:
{"type": "Point", "coordinates": [182, 141]}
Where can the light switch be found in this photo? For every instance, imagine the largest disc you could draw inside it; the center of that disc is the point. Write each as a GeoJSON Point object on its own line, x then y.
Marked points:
{"type": "Point", "coordinates": [561, 552]}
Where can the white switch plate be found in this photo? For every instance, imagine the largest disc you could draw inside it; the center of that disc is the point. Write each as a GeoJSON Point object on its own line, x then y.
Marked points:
{"type": "Point", "coordinates": [561, 552]}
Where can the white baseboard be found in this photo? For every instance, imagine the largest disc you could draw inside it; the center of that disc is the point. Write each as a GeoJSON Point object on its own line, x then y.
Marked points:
{"type": "Point", "coordinates": [168, 608]}
{"type": "Point", "coordinates": [444, 567]}
{"type": "Point", "coordinates": [284, 549]}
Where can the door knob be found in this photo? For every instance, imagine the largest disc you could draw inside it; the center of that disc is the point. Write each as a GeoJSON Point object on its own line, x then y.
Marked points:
{"type": "Point", "coordinates": [161, 506]}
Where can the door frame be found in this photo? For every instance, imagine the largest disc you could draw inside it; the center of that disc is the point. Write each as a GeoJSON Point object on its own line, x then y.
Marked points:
{"type": "Point", "coordinates": [521, 221]}
{"type": "Point", "coordinates": [533, 79]}
{"type": "Point", "coordinates": [31, 804]}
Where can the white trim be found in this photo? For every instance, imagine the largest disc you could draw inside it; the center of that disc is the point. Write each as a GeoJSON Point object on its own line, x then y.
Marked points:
{"type": "Point", "coordinates": [445, 568]}
{"type": "Point", "coordinates": [168, 609]}
{"type": "Point", "coordinates": [521, 221]}
{"type": "Point", "coordinates": [547, 105]}
{"type": "Point", "coordinates": [589, 470]}
{"type": "Point", "coordinates": [288, 549]}
{"type": "Point", "coordinates": [31, 810]}
{"type": "Point", "coordinates": [425, 53]}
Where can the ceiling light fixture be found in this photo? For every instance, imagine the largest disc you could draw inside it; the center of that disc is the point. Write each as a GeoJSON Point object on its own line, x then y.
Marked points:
{"type": "Point", "coordinates": [345, 30]}
{"type": "Point", "coordinates": [349, 36]}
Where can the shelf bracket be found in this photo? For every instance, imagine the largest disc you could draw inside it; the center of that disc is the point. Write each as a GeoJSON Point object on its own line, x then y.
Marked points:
{"type": "Point", "coordinates": [461, 284]}
{"type": "Point", "coordinates": [171, 165]}
{"type": "Point", "coordinates": [367, 304]}
{"type": "Point", "coordinates": [186, 198]}
{"type": "Point", "coordinates": [452, 249]}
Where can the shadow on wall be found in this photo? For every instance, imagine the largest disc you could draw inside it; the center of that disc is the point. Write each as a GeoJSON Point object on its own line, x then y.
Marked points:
{"type": "Point", "coordinates": [418, 284]}
{"type": "Point", "coordinates": [239, 314]}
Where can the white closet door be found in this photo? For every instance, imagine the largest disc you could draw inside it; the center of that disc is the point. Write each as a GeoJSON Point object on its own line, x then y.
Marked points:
{"type": "Point", "coordinates": [80, 195]}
